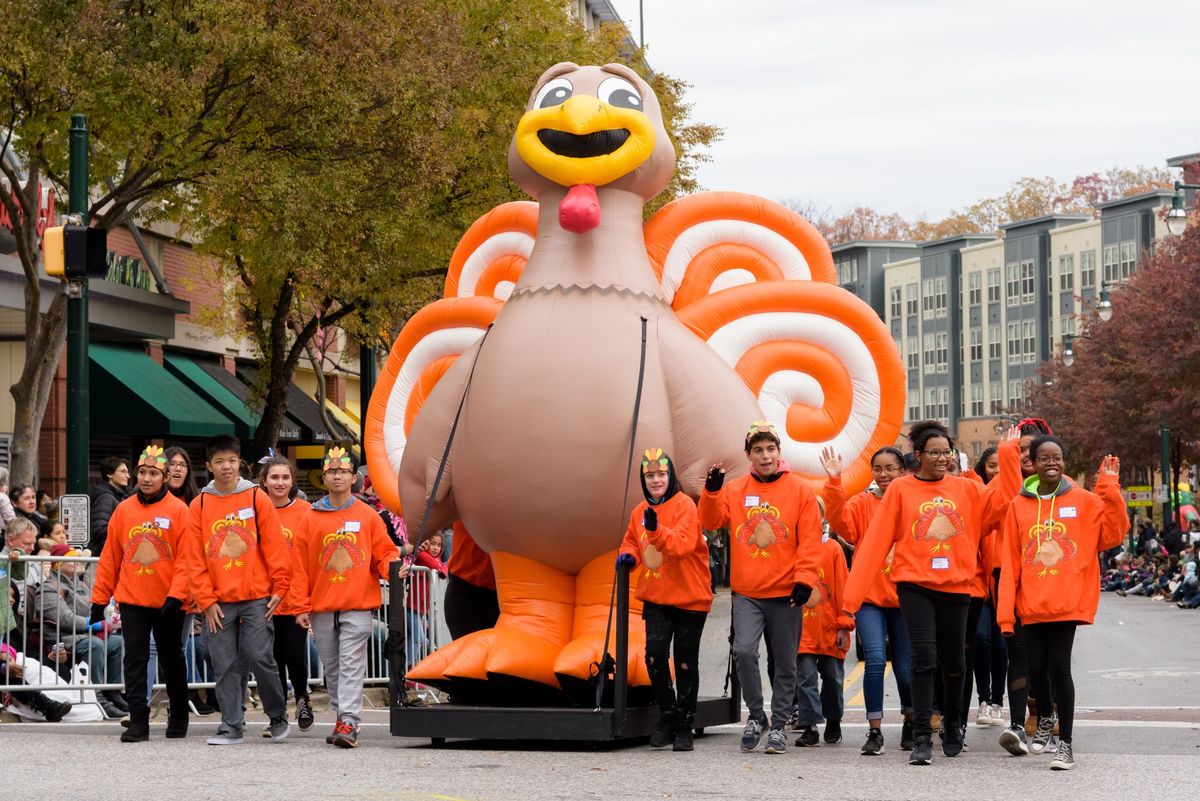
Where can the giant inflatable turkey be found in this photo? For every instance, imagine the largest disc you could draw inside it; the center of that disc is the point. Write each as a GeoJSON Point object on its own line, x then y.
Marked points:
{"type": "Point", "coordinates": [735, 298]}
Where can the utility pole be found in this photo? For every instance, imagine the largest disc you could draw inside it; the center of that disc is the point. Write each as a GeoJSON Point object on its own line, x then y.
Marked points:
{"type": "Point", "coordinates": [1164, 447]}
{"type": "Point", "coordinates": [78, 423]}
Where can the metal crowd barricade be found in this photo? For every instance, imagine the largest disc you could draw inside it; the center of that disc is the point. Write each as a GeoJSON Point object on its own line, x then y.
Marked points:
{"type": "Point", "coordinates": [54, 603]}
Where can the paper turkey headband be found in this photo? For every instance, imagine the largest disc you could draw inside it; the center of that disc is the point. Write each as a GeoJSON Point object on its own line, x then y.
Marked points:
{"type": "Point", "coordinates": [337, 458]}
{"type": "Point", "coordinates": [654, 460]}
{"type": "Point", "coordinates": [762, 427]}
{"type": "Point", "coordinates": [154, 457]}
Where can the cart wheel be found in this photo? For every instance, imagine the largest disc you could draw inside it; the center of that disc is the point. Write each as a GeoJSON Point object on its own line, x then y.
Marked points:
{"type": "Point", "coordinates": [438, 742]}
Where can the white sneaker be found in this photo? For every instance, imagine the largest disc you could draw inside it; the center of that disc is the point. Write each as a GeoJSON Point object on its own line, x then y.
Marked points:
{"type": "Point", "coordinates": [226, 739]}
{"type": "Point", "coordinates": [984, 718]}
{"type": "Point", "coordinates": [997, 715]}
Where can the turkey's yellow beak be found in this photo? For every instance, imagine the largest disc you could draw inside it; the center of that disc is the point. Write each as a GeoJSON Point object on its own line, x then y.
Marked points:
{"type": "Point", "coordinates": [584, 141]}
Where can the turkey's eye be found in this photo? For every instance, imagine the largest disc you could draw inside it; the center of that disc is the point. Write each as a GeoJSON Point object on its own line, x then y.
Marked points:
{"type": "Point", "coordinates": [620, 93]}
{"type": "Point", "coordinates": [554, 93]}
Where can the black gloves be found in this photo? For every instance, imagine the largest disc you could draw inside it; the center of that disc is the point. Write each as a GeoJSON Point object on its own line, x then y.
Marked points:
{"type": "Point", "coordinates": [97, 613]}
{"type": "Point", "coordinates": [716, 478]}
{"type": "Point", "coordinates": [650, 519]}
{"type": "Point", "coordinates": [172, 606]}
{"type": "Point", "coordinates": [800, 594]}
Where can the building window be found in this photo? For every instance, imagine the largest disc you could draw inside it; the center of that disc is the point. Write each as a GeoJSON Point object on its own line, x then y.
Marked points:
{"type": "Point", "coordinates": [1029, 335]}
{"type": "Point", "coordinates": [930, 355]}
{"type": "Point", "coordinates": [976, 344]}
{"type": "Point", "coordinates": [1068, 325]}
{"type": "Point", "coordinates": [910, 299]}
{"type": "Point", "coordinates": [1012, 278]}
{"type": "Point", "coordinates": [1110, 263]}
{"type": "Point", "coordinates": [939, 289]}
{"type": "Point", "coordinates": [1016, 391]}
{"type": "Point", "coordinates": [995, 398]}
{"type": "Point", "coordinates": [1128, 258]}
{"type": "Point", "coordinates": [977, 400]}
{"type": "Point", "coordinates": [931, 403]}
{"type": "Point", "coordinates": [1014, 343]}
{"type": "Point", "coordinates": [927, 299]}
{"type": "Point", "coordinates": [1087, 269]}
{"type": "Point", "coordinates": [914, 354]}
{"type": "Point", "coordinates": [914, 404]}
{"type": "Point", "coordinates": [993, 285]}
{"type": "Point", "coordinates": [943, 404]}
{"type": "Point", "coordinates": [941, 343]}
{"type": "Point", "coordinates": [995, 343]}
{"type": "Point", "coordinates": [974, 288]}
{"type": "Point", "coordinates": [895, 297]}
{"type": "Point", "coordinates": [1066, 273]}
{"type": "Point", "coordinates": [1028, 281]}
{"type": "Point", "coordinates": [847, 270]}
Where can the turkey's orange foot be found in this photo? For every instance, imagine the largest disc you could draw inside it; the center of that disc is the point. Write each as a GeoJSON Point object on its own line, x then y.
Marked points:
{"type": "Point", "coordinates": [497, 666]}
{"type": "Point", "coordinates": [757, 552]}
{"type": "Point", "coordinates": [940, 547]}
{"type": "Point", "coordinates": [578, 663]}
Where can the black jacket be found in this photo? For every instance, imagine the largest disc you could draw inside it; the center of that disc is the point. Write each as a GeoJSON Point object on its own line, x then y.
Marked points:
{"type": "Point", "coordinates": [105, 498]}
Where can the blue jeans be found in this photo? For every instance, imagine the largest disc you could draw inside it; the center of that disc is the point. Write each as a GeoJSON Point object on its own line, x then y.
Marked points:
{"type": "Point", "coordinates": [417, 647]}
{"type": "Point", "coordinates": [878, 625]}
{"type": "Point", "coordinates": [827, 702]}
{"type": "Point", "coordinates": [104, 657]}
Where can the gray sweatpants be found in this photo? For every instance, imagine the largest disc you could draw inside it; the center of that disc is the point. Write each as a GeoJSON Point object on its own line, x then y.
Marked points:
{"type": "Point", "coordinates": [342, 643]}
{"type": "Point", "coordinates": [246, 640]}
{"type": "Point", "coordinates": [781, 621]}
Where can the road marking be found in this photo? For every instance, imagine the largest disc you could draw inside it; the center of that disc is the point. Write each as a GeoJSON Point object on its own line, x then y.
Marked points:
{"type": "Point", "coordinates": [1094, 724]}
{"type": "Point", "coordinates": [859, 699]}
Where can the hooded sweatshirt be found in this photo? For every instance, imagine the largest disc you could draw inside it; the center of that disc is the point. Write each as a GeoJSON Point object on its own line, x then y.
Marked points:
{"type": "Point", "coordinates": [235, 546]}
{"type": "Point", "coordinates": [775, 532]}
{"type": "Point", "coordinates": [851, 519]}
{"type": "Point", "coordinates": [818, 634]}
{"type": "Point", "coordinates": [672, 559]}
{"type": "Point", "coordinates": [291, 519]}
{"type": "Point", "coordinates": [1049, 570]}
{"type": "Point", "coordinates": [340, 556]}
{"type": "Point", "coordinates": [143, 562]}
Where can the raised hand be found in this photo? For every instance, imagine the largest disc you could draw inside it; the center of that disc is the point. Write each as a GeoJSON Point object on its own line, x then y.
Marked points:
{"type": "Point", "coordinates": [1110, 466]}
{"type": "Point", "coordinates": [1014, 432]}
{"type": "Point", "coordinates": [831, 460]}
{"type": "Point", "coordinates": [716, 478]}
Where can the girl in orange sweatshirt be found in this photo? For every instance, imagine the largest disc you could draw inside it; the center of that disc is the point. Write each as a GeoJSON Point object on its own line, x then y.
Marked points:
{"type": "Point", "coordinates": [1050, 576]}
{"type": "Point", "coordinates": [664, 540]}
{"type": "Point", "coordinates": [879, 620]}
{"type": "Point", "coordinates": [141, 568]}
{"type": "Point", "coordinates": [341, 553]}
{"type": "Point", "coordinates": [932, 523]}
{"type": "Point", "coordinates": [278, 478]}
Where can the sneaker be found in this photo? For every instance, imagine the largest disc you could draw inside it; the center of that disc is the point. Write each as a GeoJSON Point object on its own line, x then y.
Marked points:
{"type": "Point", "coordinates": [304, 713]}
{"type": "Point", "coordinates": [226, 738]}
{"type": "Point", "coordinates": [1052, 745]}
{"type": "Point", "coordinates": [997, 715]}
{"type": "Point", "coordinates": [1064, 759]}
{"type": "Point", "coordinates": [922, 753]}
{"type": "Point", "coordinates": [752, 735]}
{"type": "Point", "coordinates": [197, 704]}
{"type": "Point", "coordinates": [962, 732]}
{"type": "Point", "coordinates": [809, 737]}
{"type": "Point", "coordinates": [683, 740]}
{"type": "Point", "coordinates": [1015, 741]}
{"type": "Point", "coordinates": [793, 721]}
{"type": "Point", "coordinates": [776, 741]}
{"type": "Point", "coordinates": [952, 741]}
{"type": "Point", "coordinates": [1041, 737]}
{"type": "Point", "coordinates": [279, 729]}
{"type": "Point", "coordinates": [337, 729]}
{"type": "Point", "coordinates": [347, 737]}
{"type": "Point", "coordinates": [984, 718]}
{"type": "Point", "coordinates": [833, 732]}
{"type": "Point", "coordinates": [664, 732]}
{"type": "Point", "coordinates": [907, 739]}
{"type": "Point", "coordinates": [266, 732]}
{"type": "Point", "coordinates": [874, 744]}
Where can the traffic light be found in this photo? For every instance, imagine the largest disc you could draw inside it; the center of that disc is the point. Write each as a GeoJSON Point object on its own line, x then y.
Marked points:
{"type": "Point", "coordinates": [75, 251]}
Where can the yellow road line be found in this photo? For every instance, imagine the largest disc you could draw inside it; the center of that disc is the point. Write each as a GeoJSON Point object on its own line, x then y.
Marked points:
{"type": "Point", "coordinates": [858, 699]}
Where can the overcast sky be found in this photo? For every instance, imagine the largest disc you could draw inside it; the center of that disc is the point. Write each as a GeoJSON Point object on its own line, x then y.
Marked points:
{"type": "Point", "coordinates": [926, 106]}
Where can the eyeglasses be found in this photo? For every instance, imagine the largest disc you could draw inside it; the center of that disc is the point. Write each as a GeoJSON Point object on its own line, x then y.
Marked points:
{"type": "Point", "coordinates": [1050, 460]}
{"type": "Point", "coordinates": [338, 471]}
{"type": "Point", "coordinates": [938, 454]}
{"type": "Point", "coordinates": [890, 470]}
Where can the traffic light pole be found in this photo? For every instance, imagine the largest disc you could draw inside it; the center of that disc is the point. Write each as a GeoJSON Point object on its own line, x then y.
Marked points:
{"type": "Point", "coordinates": [78, 423]}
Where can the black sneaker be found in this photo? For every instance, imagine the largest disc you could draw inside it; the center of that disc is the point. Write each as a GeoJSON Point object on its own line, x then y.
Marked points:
{"type": "Point", "coordinates": [874, 744]}
{"type": "Point", "coordinates": [304, 713]}
{"type": "Point", "coordinates": [922, 753]}
{"type": "Point", "coordinates": [793, 721]}
{"type": "Point", "coordinates": [952, 742]}
{"type": "Point", "coordinates": [683, 740]}
{"type": "Point", "coordinates": [198, 704]}
{"type": "Point", "coordinates": [907, 740]}
{"type": "Point", "coordinates": [833, 732]}
{"type": "Point", "coordinates": [664, 732]}
{"type": "Point", "coordinates": [1064, 759]}
{"type": "Point", "coordinates": [1041, 737]}
{"type": "Point", "coordinates": [1014, 740]}
{"type": "Point", "coordinates": [809, 738]}
{"type": "Point", "coordinates": [752, 735]}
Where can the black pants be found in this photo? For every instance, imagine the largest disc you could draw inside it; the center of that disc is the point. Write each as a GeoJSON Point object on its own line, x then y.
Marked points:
{"type": "Point", "coordinates": [937, 624]}
{"type": "Point", "coordinates": [685, 627]}
{"type": "Point", "coordinates": [469, 608]}
{"type": "Point", "coordinates": [1049, 646]}
{"type": "Point", "coordinates": [991, 658]}
{"type": "Point", "coordinates": [291, 654]}
{"type": "Point", "coordinates": [974, 611]}
{"type": "Point", "coordinates": [137, 623]}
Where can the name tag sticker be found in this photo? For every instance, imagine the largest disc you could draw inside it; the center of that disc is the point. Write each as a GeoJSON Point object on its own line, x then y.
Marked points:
{"type": "Point", "coordinates": [351, 525]}
{"type": "Point", "coordinates": [162, 523]}
{"type": "Point", "coordinates": [941, 563]}
{"type": "Point", "coordinates": [751, 500]}
{"type": "Point", "coordinates": [246, 514]}
{"type": "Point", "coordinates": [1066, 512]}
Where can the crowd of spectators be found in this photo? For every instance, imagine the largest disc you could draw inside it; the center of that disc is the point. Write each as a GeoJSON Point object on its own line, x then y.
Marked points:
{"type": "Point", "coordinates": [1163, 565]}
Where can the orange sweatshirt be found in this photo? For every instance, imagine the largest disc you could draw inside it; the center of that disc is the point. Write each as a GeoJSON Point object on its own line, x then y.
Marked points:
{"type": "Point", "coordinates": [1049, 567]}
{"type": "Point", "coordinates": [339, 559]}
{"type": "Point", "coordinates": [673, 557]}
{"type": "Point", "coordinates": [851, 518]}
{"type": "Point", "coordinates": [775, 533]}
{"type": "Point", "coordinates": [469, 562]}
{"type": "Point", "coordinates": [235, 547]}
{"type": "Point", "coordinates": [291, 519]}
{"type": "Point", "coordinates": [819, 632]}
{"type": "Point", "coordinates": [934, 528]}
{"type": "Point", "coordinates": [142, 562]}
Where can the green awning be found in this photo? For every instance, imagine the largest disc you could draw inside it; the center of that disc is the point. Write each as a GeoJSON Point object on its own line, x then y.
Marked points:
{"type": "Point", "coordinates": [133, 395]}
{"type": "Point", "coordinates": [211, 390]}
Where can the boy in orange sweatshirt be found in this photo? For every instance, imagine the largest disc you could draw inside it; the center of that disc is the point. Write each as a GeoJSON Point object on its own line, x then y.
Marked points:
{"type": "Point", "coordinates": [339, 557]}
{"type": "Point", "coordinates": [664, 537]}
{"type": "Point", "coordinates": [142, 568]}
{"type": "Point", "coordinates": [238, 561]}
{"type": "Point", "coordinates": [775, 535]}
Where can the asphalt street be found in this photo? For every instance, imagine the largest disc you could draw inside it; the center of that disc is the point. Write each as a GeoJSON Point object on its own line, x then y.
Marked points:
{"type": "Point", "coordinates": [1138, 730]}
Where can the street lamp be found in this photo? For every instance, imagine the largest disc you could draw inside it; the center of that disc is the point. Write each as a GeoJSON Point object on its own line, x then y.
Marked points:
{"type": "Point", "coordinates": [1104, 309]}
{"type": "Point", "coordinates": [1177, 218]}
{"type": "Point", "coordinates": [1068, 353]}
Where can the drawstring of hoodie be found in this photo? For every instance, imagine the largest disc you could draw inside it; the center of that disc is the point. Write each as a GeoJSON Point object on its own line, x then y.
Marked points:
{"type": "Point", "coordinates": [1043, 525]}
